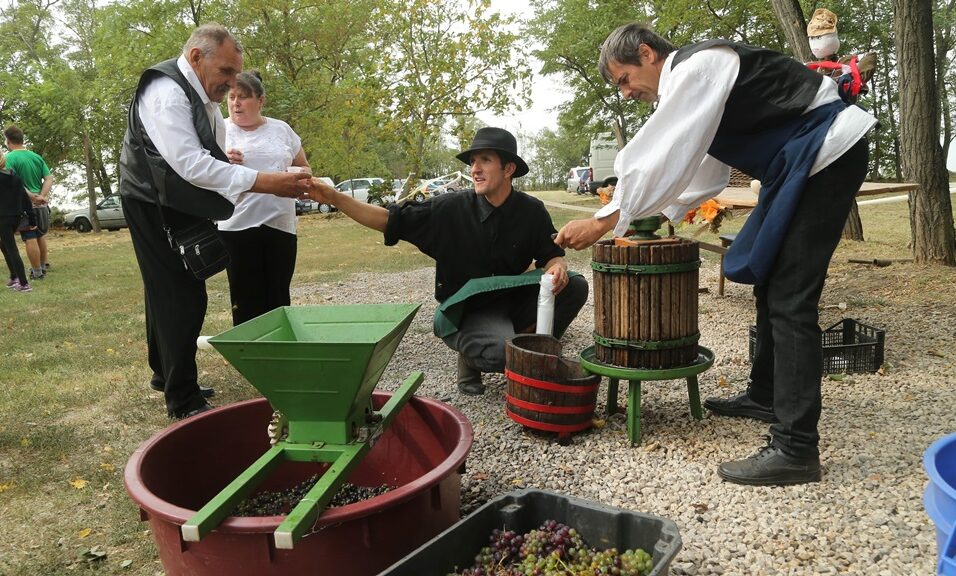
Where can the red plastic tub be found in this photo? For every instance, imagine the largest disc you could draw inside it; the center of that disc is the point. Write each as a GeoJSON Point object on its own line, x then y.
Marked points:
{"type": "Point", "coordinates": [178, 470]}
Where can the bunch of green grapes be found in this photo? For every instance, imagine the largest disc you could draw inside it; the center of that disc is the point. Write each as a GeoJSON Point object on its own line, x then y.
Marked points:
{"type": "Point", "coordinates": [553, 549]}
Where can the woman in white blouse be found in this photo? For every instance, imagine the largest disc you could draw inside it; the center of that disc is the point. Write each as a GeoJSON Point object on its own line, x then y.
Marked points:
{"type": "Point", "coordinates": [260, 235]}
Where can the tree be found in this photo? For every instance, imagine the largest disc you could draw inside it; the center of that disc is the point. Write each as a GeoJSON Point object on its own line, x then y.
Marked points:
{"type": "Point", "coordinates": [443, 60]}
{"type": "Point", "coordinates": [931, 212]}
{"type": "Point", "coordinates": [554, 153]}
{"type": "Point", "coordinates": [794, 25]}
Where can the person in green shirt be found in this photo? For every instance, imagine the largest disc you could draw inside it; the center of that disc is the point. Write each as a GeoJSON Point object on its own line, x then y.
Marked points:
{"type": "Point", "coordinates": [35, 174]}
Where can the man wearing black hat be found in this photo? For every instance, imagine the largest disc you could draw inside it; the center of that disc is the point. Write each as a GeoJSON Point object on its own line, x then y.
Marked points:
{"type": "Point", "coordinates": [482, 240]}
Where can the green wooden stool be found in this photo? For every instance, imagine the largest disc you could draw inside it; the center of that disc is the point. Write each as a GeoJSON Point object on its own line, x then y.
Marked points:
{"type": "Point", "coordinates": [634, 376]}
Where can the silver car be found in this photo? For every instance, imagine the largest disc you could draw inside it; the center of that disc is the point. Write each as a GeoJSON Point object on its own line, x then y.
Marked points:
{"type": "Point", "coordinates": [357, 187]}
{"type": "Point", "coordinates": [109, 212]}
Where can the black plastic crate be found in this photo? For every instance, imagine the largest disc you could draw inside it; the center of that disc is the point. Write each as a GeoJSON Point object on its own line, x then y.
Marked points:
{"type": "Point", "coordinates": [601, 526]}
{"type": "Point", "coordinates": [848, 347]}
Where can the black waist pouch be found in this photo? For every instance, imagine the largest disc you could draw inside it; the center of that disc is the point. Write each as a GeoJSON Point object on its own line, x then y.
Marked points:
{"type": "Point", "coordinates": [202, 250]}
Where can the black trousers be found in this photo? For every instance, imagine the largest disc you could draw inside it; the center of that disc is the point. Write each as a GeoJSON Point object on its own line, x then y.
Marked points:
{"type": "Point", "coordinates": [788, 359]}
{"type": "Point", "coordinates": [175, 304]}
{"type": "Point", "coordinates": [483, 331]}
{"type": "Point", "coordinates": [261, 263]}
{"type": "Point", "coordinates": [11, 254]}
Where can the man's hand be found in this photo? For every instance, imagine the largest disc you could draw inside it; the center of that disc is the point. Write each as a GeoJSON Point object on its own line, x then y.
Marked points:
{"type": "Point", "coordinates": [36, 199]}
{"type": "Point", "coordinates": [579, 234]}
{"type": "Point", "coordinates": [285, 184]}
{"type": "Point", "coordinates": [558, 269]}
{"type": "Point", "coordinates": [321, 192]}
{"type": "Point", "coordinates": [235, 156]}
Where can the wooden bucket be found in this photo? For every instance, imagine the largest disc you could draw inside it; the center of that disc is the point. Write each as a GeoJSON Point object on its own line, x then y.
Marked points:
{"type": "Point", "coordinates": [546, 391]}
{"type": "Point", "coordinates": [645, 302]}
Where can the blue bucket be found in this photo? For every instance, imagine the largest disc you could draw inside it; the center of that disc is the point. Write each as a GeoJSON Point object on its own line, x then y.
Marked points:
{"type": "Point", "coordinates": [940, 499]}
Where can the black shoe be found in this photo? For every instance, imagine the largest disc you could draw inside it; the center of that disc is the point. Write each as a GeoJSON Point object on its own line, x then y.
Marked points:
{"type": "Point", "coordinates": [203, 391]}
{"type": "Point", "coordinates": [191, 413]}
{"type": "Point", "coordinates": [771, 467]}
{"type": "Point", "coordinates": [740, 406]}
{"type": "Point", "coordinates": [469, 379]}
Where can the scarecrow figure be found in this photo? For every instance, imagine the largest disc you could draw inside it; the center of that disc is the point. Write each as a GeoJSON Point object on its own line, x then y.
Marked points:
{"type": "Point", "coordinates": [850, 72]}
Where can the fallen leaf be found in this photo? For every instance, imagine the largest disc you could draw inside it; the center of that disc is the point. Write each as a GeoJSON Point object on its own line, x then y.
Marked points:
{"type": "Point", "coordinates": [85, 532]}
{"type": "Point", "coordinates": [78, 483]}
{"type": "Point", "coordinates": [5, 487]}
{"type": "Point", "coordinates": [722, 381]}
{"type": "Point", "coordinates": [836, 377]}
{"type": "Point", "coordinates": [24, 442]}
{"type": "Point", "coordinates": [110, 351]}
{"type": "Point", "coordinates": [517, 481]}
{"type": "Point", "coordinates": [700, 508]}
{"type": "Point", "coordinates": [935, 353]}
{"type": "Point", "coordinates": [598, 423]}
{"type": "Point", "coordinates": [126, 563]}
{"type": "Point", "coordinates": [94, 554]}
{"type": "Point", "coordinates": [106, 466]}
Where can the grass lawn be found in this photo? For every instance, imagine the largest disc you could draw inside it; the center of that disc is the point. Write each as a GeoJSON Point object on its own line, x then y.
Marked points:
{"type": "Point", "coordinates": [74, 400]}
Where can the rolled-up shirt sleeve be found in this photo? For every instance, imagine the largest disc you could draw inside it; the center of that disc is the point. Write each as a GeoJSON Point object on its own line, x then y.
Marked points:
{"type": "Point", "coordinates": [657, 167]}
{"type": "Point", "coordinates": [167, 118]}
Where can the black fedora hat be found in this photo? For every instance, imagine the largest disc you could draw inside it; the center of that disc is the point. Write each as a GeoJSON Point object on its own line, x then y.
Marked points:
{"type": "Point", "coordinates": [502, 142]}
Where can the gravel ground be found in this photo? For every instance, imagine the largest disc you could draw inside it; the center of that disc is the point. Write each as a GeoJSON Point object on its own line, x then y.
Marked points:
{"type": "Point", "coordinates": [865, 517]}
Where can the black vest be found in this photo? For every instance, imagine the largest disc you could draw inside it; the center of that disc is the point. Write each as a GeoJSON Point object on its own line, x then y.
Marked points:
{"type": "Point", "coordinates": [770, 92]}
{"type": "Point", "coordinates": [145, 175]}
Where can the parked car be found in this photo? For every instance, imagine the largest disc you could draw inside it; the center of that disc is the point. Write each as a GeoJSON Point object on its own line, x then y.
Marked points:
{"type": "Point", "coordinates": [357, 187]}
{"type": "Point", "coordinates": [304, 206]}
{"type": "Point", "coordinates": [109, 212]}
{"type": "Point", "coordinates": [578, 179]}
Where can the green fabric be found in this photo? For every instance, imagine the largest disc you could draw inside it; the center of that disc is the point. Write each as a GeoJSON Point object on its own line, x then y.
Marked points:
{"type": "Point", "coordinates": [30, 167]}
{"type": "Point", "coordinates": [449, 313]}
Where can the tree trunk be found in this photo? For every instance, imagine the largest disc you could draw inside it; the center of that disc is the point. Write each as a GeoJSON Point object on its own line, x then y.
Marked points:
{"type": "Point", "coordinates": [853, 229]}
{"type": "Point", "coordinates": [790, 15]}
{"type": "Point", "coordinates": [931, 211]}
{"type": "Point", "coordinates": [90, 189]}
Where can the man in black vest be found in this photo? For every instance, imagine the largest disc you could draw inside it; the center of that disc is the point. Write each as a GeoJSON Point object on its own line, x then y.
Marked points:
{"type": "Point", "coordinates": [722, 104]}
{"type": "Point", "coordinates": [173, 174]}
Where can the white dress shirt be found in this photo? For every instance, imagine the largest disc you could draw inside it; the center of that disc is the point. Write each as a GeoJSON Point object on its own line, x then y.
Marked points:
{"type": "Point", "coordinates": [270, 147]}
{"type": "Point", "coordinates": [166, 114]}
{"type": "Point", "coordinates": [665, 168]}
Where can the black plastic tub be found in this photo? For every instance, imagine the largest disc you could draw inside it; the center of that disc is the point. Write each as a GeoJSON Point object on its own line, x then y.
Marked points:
{"type": "Point", "coordinates": [524, 510]}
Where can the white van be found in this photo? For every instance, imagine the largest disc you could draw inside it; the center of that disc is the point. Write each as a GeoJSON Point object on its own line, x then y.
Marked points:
{"type": "Point", "coordinates": [603, 153]}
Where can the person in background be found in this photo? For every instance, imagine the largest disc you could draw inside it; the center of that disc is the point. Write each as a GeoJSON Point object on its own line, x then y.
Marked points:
{"type": "Point", "coordinates": [722, 104]}
{"type": "Point", "coordinates": [490, 233]}
{"type": "Point", "coordinates": [260, 235]}
{"type": "Point", "coordinates": [15, 204]}
{"type": "Point", "coordinates": [35, 174]}
{"type": "Point", "coordinates": [173, 175]}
